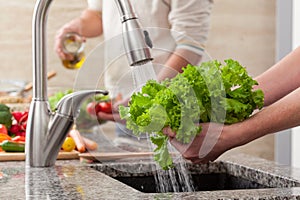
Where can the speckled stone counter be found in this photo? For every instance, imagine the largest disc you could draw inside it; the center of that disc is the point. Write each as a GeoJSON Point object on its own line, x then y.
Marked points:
{"type": "Point", "coordinates": [75, 180]}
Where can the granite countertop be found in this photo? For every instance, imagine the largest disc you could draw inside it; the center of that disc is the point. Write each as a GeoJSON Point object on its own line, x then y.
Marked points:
{"type": "Point", "coordinates": [72, 179]}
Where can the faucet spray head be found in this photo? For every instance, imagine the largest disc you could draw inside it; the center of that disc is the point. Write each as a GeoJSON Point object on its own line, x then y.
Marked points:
{"type": "Point", "coordinates": [137, 42]}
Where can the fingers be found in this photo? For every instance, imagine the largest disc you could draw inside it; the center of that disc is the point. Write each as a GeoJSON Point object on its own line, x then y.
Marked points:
{"type": "Point", "coordinates": [114, 116]}
{"type": "Point", "coordinates": [200, 160]}
{"type": "Point", "coordinates": [106, 116]}
{"type": "Point", "coordinates": [181, 148]}
{"type": "Point", "coordinates": [116, 104]}
{"type": "Point", "coordinates": [168, 131]}
{"type": "Point", "coordinates": [111, 117]}
{"type": "Point", "coordinates": [188, 151]}
{"type": "Point", "coordinates": [178, 145]}
{"type": "Point", "coordinates": [58, 44]}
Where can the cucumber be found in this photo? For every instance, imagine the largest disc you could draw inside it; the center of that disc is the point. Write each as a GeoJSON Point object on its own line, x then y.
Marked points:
{"type": "Point", "coordinates": [10, 146]}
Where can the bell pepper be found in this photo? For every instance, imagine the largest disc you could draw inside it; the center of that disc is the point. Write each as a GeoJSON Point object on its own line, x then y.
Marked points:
{"type": "Point", "coordinates": [4, 136]}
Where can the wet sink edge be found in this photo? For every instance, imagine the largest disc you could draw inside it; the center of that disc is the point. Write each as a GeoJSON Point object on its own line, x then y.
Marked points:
{"type": "Point", "coordinates": [284, 180]}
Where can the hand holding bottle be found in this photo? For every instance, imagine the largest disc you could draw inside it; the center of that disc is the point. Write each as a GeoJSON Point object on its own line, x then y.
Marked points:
{"type": "Point", "coordinates": [69, 45]}
{"type": "Point", "coordinates": [72, 45]}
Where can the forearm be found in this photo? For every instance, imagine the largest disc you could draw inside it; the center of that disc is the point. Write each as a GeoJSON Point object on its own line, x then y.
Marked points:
{"type": "Point", "coordinates": [89, 24]}
{"type": "Point", "coordinates": [282, 78]}
{"type": "Point", "coordinates": [280, 84]}
{"type": "Point", "coordinates": [190, 24]}
{"type": "Point", "coordinates": [279, 116]}
{"type": "Point", "coordinates": [177, 61]}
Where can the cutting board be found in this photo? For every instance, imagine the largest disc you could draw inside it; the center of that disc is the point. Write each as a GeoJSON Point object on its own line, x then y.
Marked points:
{"type": "Point", "coordinates": [110, 156]}
{"type": "Point", "coordinates": [18, 156]}
{"type": "Point", "coordinates": [114, 155]}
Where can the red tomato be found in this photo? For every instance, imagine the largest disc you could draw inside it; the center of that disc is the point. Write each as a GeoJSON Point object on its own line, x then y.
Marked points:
{"type": "Point", "coordinates": [105, 107]}
{"type": "Point", "coordinates": [94, 107]}
{"type": "Point", "coordinates": [3, 129]}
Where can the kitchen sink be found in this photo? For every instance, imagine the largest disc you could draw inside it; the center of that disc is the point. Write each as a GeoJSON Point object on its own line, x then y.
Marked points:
{"type": "Point", "coordinates": [201, 182]}
{"type": "Point", "coordinates": [208, 177]}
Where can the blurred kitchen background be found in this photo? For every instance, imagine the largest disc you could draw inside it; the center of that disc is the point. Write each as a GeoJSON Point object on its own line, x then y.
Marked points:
{"type": "Point", "coordinates": [246, 30]}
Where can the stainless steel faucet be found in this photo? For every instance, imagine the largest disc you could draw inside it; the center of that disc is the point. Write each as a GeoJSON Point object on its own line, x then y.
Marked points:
{"type": "Point", "coordinates": [137, 42]}
{"type": "Point", "coordinates": [46, 131]}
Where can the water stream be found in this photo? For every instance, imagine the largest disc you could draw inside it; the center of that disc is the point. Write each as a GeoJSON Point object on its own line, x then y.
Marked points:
{"type": "Point", "coordinates": [178, 178]}
{"type": "Point", "coordinates": [141, 74]}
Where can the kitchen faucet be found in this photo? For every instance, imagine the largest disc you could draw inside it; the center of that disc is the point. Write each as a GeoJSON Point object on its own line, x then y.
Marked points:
{"type": "Point", "coordinates": [47, 130]}
{"type": "Point", "coordinates": [136, 41]}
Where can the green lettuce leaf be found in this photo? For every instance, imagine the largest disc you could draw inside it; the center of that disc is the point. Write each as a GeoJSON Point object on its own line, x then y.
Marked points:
{"type": "Point", "coordinates": [211, 92]}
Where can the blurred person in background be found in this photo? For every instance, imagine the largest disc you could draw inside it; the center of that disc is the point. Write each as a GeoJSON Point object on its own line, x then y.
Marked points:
{"type": "Point", "coordinates": [187, 22]}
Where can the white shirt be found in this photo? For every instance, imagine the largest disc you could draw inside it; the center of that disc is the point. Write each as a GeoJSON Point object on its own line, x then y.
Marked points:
{"type": "Point", "coordinates": [171, 24]}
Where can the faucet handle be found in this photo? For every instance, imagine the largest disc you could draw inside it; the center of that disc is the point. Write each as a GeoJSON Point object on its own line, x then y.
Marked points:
{"type": "Point", "coordinates": [70, 104]}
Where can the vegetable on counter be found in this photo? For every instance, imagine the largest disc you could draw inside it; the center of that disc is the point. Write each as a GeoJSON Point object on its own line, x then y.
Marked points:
{"type": "Point", "coordinates": [81, 144]}
{"type": "Point", "coordinates": [69, 144]}
{"type": "Point", "coordinates": [11, 146]}
{"type": "Point", "coordinates": [94, 107]}
{"type": "Point", "coordinates": [4, 137]}
{"type": "Point", "coordinates": [18, 127]}
{"type": "Point", "coordinates": [105, 106]}
{"type": "Point", "coordinates": [5, 116]}
{"type": "Point", "coordinates": [74, 133]}
{"type": "Point", "coordinates": [13, 138]}
{"type": "Point", "coordinates": [19, 138]}
{"type": "Point", "coordinates": [3, 129]}
{"type": "Point", "coordinates": [211, 92]}
{"type": "Point", "coordinates": [57, 96]}
{"type": "Point", "coordinates": [89, 144]}
{"type": "Point", "coordinates": [12, 129]}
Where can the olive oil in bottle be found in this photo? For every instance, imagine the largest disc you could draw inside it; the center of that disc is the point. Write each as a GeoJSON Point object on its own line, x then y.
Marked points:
{"type": "Point", "coordinates": [73, 44]}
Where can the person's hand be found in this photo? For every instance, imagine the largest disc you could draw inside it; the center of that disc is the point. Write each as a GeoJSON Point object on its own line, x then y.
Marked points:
{"type": "Point", "coordinates": [208, 145]}
{"type": "Point", "coordinates": [114, 115]}
{"type": "Point", "coordinates": [58, 43]}
{"type": "Point", "coordinates": [68, 28]}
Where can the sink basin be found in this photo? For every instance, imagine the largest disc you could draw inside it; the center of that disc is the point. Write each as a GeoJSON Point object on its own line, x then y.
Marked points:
{"type": "Point", "coordinates": [201, 182]}
{"type": "Point", "coordinates": [209, 177]}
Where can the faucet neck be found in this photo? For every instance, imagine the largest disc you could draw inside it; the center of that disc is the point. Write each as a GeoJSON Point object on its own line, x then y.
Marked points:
{"type": "Point", "coordinates": [46, 131]}
{"type": "Point", "coordinates": [126, 10]}
{"type": "Point", "coordinates": [39, 23]}
{"type": "Point", "coordinates": [137, 42]}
